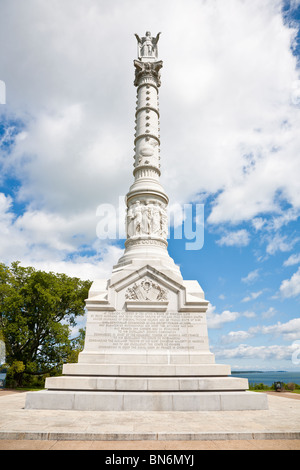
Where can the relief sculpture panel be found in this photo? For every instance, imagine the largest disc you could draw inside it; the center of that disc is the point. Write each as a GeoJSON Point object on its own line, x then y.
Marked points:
{"type": "Point", "coordinates": [146, 290]}
{"type": "Point", "coordinates": [147, 219]}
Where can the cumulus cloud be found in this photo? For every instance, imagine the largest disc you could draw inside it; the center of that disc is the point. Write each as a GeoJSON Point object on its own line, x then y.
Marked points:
{"type": "Point", "coordinates": [289, 331]}
{"type": "Point", "coordinates": [251, 277]}
{"type": "Point", "coordinates": [215, 320]}
{"type": "Point", "coordinates": [279, 352]}
{"type": "Point", "coordinates": [274, 223]}
{"type": "Point", "coordinates": [228, 124]}
{"type": "Point", "coordinates": [235, 337]}
{"type": "Point", "coordinates": [225, 99]}
{"type": "Point", "coordinates": [252, 296]}
{"type": "Point", "coordinates": [269, 313]}
{"type": "Point", "coordinates": [280, 243]}
{"type": "Point", "coordinates": [237, 238]}
{"type": "Point", "coordinates": [293, 259]}
{"type": "Point", "coordinates": [291, 287]}
{"type": "Point", "coordinates": [54, 243]}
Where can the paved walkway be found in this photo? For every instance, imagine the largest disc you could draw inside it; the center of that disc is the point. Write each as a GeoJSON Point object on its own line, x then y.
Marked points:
{"type": "Point", "coordinates": [274, 444]}
{"type": "Point", "coordinates": [276, 428]}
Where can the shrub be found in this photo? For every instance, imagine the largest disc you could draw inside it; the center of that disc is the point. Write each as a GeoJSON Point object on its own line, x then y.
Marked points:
{"type": "Point", "coordinates": [290, 386]}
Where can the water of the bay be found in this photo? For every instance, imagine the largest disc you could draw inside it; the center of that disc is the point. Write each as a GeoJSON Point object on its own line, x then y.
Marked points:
{"type": "Point", "coordinates": [269, 377]}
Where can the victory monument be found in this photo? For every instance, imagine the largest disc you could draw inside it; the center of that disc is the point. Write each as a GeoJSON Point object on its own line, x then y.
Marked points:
{"type": "Point", "coordinates": [146, 345]}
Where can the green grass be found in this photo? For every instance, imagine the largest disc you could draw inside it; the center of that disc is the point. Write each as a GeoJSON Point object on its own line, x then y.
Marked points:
{"type": "Point", "coordinates": [29, 389]}
{"type": "Point", "coordinates": [262, 387]}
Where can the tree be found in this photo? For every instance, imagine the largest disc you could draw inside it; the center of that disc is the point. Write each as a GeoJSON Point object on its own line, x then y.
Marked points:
{"type": "Point", "coordinates": [37, 311]}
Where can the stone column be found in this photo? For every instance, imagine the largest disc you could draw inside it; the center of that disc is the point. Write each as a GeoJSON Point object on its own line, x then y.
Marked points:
{"type": "Point", "coordinates": [146, 218]}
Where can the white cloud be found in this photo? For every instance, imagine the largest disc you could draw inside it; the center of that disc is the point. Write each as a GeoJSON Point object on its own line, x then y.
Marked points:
{"type": "Point", "coordinates": [269, 313]}
{"type": "Point", "coordinates": [89, 267]}
{"type": "Point", "coordinates": [287, 216]}
{"type": "Point", "coordinates": [63, 157]}
{"type": "Point", "coordinates": [238, 238]}
{"type": "Point", "coordinates": [293, 259]}
{"type": "Point", "coordinates": [295, 4]}
{"type": "Point", "coordinates": [272, 352]}
{"type": "Point", "coordinates": [252, 296]}
{"type": "Point", "coordinates": [235, 337]}
{"type": "Point", "coordinates": [252, 276]}
{"type": "Point", "coordinates": [291, 287]}
{"type": "Point", "coordinates": [225, 97]}
{"type": "Point", "coordinates": [276, 222]}
{"type": "Point", "coordinates": [52, 242]}
{"type": "Point", "coordinates": [258, 223]}
{"type": "Point", "coordinates": [279, 242]}
{"type": "Point", "coordinates": [215, 320]}
{"type": "Point", "coordinates": [290, 331]}
{"type": "Point", "coordinates": [249, 314]}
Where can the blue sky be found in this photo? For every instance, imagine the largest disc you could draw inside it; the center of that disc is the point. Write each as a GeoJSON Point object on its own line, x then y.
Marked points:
{"type": "Point", "coordinates": [230, 120]}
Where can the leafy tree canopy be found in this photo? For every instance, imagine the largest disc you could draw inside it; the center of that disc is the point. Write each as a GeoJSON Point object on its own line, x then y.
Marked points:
{"type": "Point", "coordinates": [37, 311]}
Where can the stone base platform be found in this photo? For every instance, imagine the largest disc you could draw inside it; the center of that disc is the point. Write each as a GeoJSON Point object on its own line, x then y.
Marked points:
{"type": "Point", "coordinates": [148, 429]}
{"type": "Point", "coordinates": [146, 384]}
{"type": "Point", "coordinates": [146, 387]}
{"type": "Point", "coordinates": [147, 354]}
{"type": "Point", "coordinates": [146, 401]}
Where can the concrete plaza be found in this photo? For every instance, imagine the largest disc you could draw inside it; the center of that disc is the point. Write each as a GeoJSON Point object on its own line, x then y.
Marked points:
{"type": "Point", "coordinates": [275, 428]}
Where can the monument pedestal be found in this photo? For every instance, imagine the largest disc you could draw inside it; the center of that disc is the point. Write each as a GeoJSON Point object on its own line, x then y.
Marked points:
{"type": "Point", "coordinates": [146, 349]}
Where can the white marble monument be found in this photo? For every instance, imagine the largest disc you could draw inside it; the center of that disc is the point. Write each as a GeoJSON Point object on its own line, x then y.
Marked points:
{"type": "Point", "coordinates": [146, 345]}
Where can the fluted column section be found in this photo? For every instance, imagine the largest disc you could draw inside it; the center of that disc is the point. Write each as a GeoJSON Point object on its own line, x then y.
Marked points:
{"type": "Point", "coordinates": [146, 199]}
{"type": "Point", "coordinates": [147, 138]}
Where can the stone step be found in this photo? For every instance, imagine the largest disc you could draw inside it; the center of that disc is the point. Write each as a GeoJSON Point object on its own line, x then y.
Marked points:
{"type": "Point", "coordinates": [146, 383]}
{"type": "Point", "coordinates": [159, 370]}
{"type": "Point", "coordinates": [146, 357]}
{"type": "Point", "coordinates": [145, 401]}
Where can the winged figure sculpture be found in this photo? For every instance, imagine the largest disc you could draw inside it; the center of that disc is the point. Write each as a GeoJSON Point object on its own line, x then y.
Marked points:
{"type": "Point", "coordinates": [147, 45]}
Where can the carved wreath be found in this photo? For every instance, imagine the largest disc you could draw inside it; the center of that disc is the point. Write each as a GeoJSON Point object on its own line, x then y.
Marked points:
{"type": "Point", "coordinates": [146, 290]}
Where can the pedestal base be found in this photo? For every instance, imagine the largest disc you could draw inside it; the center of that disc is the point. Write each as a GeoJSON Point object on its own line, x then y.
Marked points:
{"type": "Point", "coordinates": [146, 387]}
{"type": "Point", "coordinates": [146, 401]}
{"type": "Point", "coordinates": [146, 349]}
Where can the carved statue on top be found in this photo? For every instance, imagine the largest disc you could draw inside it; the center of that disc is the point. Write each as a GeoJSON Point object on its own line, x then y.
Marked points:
{"type": "Point", "coordinates": [147, 46]}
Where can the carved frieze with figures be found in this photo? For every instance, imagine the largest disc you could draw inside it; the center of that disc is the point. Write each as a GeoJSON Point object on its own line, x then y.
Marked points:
{"type": "Point", "coordinates": [149, 218]}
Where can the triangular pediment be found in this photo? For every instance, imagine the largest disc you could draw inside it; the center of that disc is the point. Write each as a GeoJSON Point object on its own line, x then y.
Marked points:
{"type": "Point", "coordinates": [144, 273]}
{"type": "Point", "coordinates": [148, 288]}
